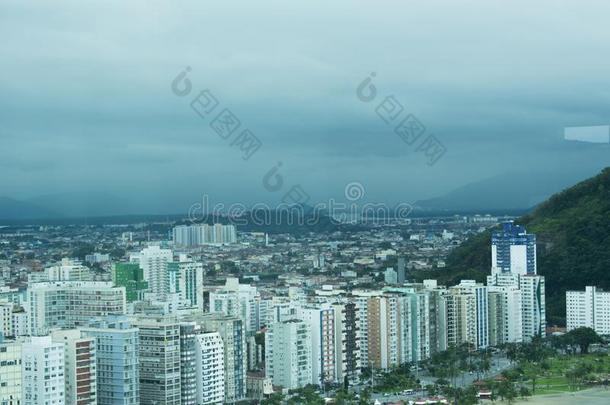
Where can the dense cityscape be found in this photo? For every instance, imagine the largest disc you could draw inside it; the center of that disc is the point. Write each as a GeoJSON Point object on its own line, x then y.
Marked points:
{"type": "Point", "coordinates": [310, 202]}
{"type": "Point", "coordinates": [157, 313]}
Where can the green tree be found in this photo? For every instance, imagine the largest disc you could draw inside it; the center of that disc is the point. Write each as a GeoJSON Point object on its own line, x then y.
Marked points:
{"type": "Point", "coordinates": [365, 397]}
{"type": "Point", "coordinates": [306, 396]}
{"type": "Point", "coordinates": [507, 391]}
{"type": "Point", "coordinates": [275, 399]}
{"type": "Point", "coordinates": [532, 372]}
{"type": "Point", "coordinates": [524, 392]}
{"type": "Point", "coordinates": [584, 337]}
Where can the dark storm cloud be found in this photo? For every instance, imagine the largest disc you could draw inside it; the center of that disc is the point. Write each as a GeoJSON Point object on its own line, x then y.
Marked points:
{"type": "Point", "coordinates": [86, 101]}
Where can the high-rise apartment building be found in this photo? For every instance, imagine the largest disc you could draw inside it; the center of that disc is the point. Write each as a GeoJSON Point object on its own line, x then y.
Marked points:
{"type": "Point", "coordinates": [383, 331]}
{"type": "Point", "coordinates": [232, 332]}
{"type": "Point", "coordinates": [188, 366]}
{"type": "Point", "coordinates": [347, 342]}
{"type": "Point", "coordinates": [240, 300]}
{"type": "Point", "coordinates": [533, 306]}
{"type": "Point", "coordinates": [288, 354]}
{"type": "Point", "coordinates": [513, 254]}
{"type": "Point", "coordinates": [6, 317]}
{"type": "Point", "coordinates": [69, 304]}
{"type": "Point", "coordinates": [321, 321]}
{"type": "Point", "coordinates": [80, 366]}
{"type": "Point", "coordinates": [130, 276]}
{"type": "Point", "coordinates": [153, 261]}
{"type": "Point", "coordinates": [42, 371]}
{"type": "Point", "coordinates": [117, 353]}
{"type": "Point", "coordinates": [513, 250]}
{"type": "Point", "coordinates": [204, 234]}
{"type": "Point", "coordinates": [589, 308]}
{"type": "Point", "coordinates": [159, 360]}
{"type": "Point", "coordinates": [10, 372]}
{"type": "Point", "coordinates": [468, 314]}
{"type": "Point", "coordinates": [186, 280]}
{"type": "Point", "coordinates": [210, 369]}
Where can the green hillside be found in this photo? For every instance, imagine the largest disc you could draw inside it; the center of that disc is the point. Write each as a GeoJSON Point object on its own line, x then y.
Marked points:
{"type": "Point", "coordinates": [573, 243]}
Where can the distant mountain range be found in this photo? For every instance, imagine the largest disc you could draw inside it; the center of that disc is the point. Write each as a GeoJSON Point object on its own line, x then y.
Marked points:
{"type": "Point", "coordinates": [14, 209]}
{"type": "Point", "coordinates": [510, 191]}
{"type": "Point", "coordinates": [65, 205]}
{"type": "Point", "coordinates": [573, 244]}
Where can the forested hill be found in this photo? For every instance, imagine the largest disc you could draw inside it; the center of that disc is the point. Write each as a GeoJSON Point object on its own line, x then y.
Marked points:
{"type": "Point", "coordinates": [573, 243]}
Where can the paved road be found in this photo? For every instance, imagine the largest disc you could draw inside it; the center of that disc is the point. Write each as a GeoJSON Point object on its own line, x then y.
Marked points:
{"type": "Point", "coordinates": [465, 379]}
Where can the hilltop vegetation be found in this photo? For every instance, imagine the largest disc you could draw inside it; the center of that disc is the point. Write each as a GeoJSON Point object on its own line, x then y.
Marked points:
{"type": "Point", "coordinates": [573, 244]}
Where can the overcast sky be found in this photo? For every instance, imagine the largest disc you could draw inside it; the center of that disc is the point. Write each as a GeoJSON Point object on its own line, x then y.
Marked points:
{"type": "Point", "coordinates": [86, 101]}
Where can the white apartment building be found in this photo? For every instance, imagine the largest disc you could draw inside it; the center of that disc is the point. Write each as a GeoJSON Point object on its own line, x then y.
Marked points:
{"type": "Point", "coordinates": [589, 308]}
{"type": "Point", "coordinates": [68, 270]}
{"type": "Point", "coordinates": [186, 280]}
{"type": "Point", "coordinates": [6, 318]}
{"type": "Point", "coordinates": [210, 368]}
{"type": "Point", "coordinates": [117, 354]}
{"type": "Point", "coordinates": [10, 372]}
{"type": "Point", "coordinates": [153, 262]}
{"type": "Point", "coordinates": [533, 307]}
{"type": "Point", "coordinates": [474, 314]}
{"type": "Point", "coordinates": [204, 234]}
{"type": "Point", "coordinates": [42, 370]}
{"type": "Point", "coordinates": [505, 323]}
{"type": "Point", "coordinates": [69, 304]}
{"type": "Point", "coordinates": [80, 366]}
{"type": "Point", "coordinates": [288, 354]}
{"type": "Point", "coordinates": [419, 326]}
{"type": "Point", "coordinates": [20, 322]}
{"type": "Point", "coordinates": [240, 300]}
{"type": "Point", "coordinates": [514, 265]}
{"type": "Point", "coordinates": [232, 333]}
{"type": "Point", "coordinates": [321, 321]}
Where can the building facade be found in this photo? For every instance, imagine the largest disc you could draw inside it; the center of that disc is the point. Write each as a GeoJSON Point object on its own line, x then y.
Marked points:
{"type": "Point", "coordinates": [117, 352]}
{"type": "Point", "coordinates": [589, 308]}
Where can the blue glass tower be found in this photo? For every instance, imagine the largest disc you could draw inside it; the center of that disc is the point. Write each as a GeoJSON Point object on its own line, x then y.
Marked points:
{"type": "Point", "coordinates": [513, 250]}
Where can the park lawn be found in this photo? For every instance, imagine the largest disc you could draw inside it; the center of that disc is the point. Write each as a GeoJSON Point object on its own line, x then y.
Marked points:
{"type": "Point", "coordinates": [552, 385]}
{"type": "Point", "coordinates": [555, 381]}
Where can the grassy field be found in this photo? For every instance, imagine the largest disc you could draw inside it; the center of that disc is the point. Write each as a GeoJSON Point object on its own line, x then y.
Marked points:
{"type": "Point", "coordinates": [554, 380]}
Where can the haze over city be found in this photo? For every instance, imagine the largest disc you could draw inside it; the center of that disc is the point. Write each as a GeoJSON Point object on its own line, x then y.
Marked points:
{"type": "Point", "coordinates": [87, 107]}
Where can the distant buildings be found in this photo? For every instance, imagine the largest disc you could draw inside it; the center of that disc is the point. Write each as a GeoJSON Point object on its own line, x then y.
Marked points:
{"type": "Point", "coordinates": [95, 258]}
{"type": "Point", "coordinates": [589, 308]}
{"type": "Point", "coordinates": [67, 270]}
{"type": "Point", "coordinates": [204, 234]}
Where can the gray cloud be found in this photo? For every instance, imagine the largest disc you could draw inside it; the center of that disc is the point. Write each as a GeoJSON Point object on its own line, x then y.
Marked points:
{"type": "Point", "coordinates": [86, 102]}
